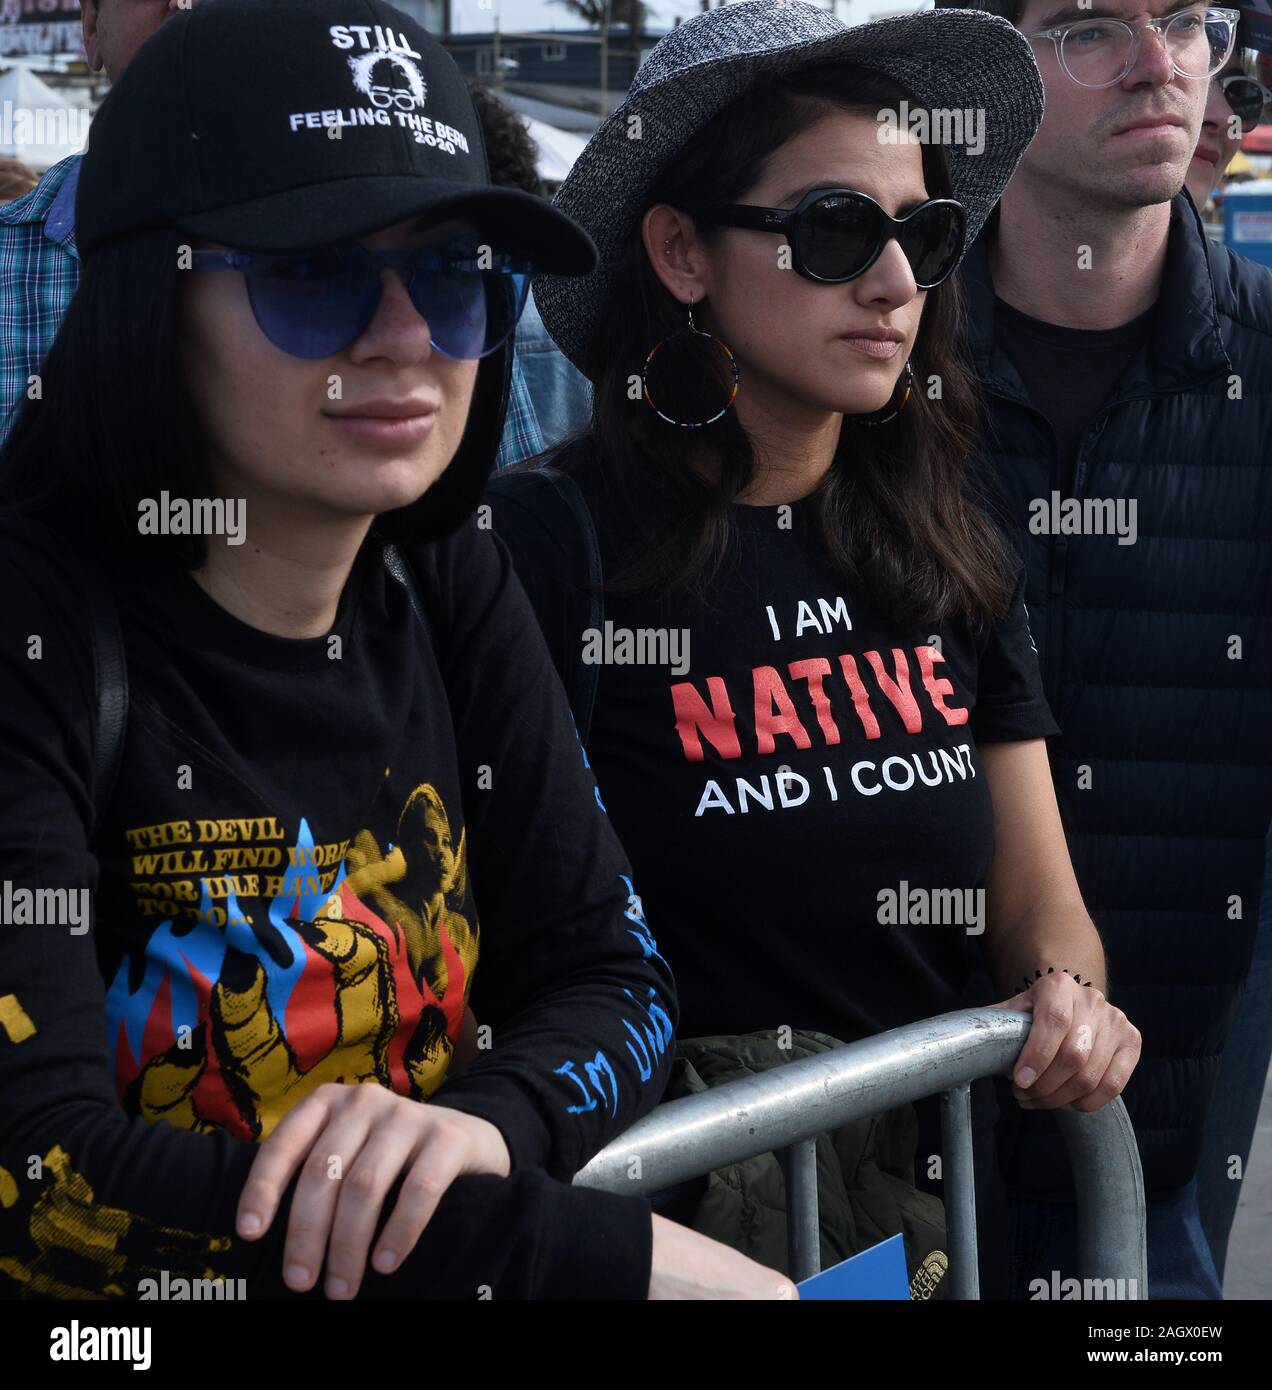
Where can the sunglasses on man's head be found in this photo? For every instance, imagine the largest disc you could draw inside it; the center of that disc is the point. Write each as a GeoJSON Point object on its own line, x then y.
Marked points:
{"type": "Point", "coordinates": [837, 234]}
{"type": "Point", "coordinates": [1246, 97]}
{"type": "Point", "coordinates": [313, 304]}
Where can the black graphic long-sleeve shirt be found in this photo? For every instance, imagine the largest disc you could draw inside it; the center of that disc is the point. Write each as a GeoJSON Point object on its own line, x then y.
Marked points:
{"type": "Point", "coordinates": [318, 853]}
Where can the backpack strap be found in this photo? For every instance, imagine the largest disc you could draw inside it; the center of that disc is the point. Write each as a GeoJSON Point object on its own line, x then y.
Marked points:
{"type": "Point", "coordinates": [110, 673]}
{"type": "Point", "coordinates": [110, 670]}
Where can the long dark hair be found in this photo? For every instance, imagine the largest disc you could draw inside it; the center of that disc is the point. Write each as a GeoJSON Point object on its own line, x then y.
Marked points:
{"type": "Point", "coordinates": [112, 421]}
{"type": "Point", "coordinates": [895, 513]}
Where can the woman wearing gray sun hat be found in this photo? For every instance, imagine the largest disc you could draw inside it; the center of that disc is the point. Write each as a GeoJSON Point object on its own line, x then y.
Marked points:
{"type": "Point", "coordinates": [806, 683]}
{"type": "Point", "coordinates": [952, 60]}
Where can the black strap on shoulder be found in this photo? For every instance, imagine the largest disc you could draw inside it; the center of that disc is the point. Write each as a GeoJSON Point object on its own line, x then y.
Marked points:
{"type": "Point", "coordinates": [91, 586]}
{"type": "Point", "coordinates": [110, 673]}
{"type": "Point", "coordinates": [110, 668]}
{"type": "Point", "coordinates": [585, 674]}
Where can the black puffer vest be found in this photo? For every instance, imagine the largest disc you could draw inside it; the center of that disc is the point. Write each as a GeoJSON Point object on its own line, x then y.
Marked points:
{"type": "Point", "coordinates": [1157, 662]}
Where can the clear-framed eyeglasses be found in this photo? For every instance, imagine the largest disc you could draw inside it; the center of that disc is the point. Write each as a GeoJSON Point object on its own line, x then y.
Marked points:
{"type": "Point", "coordinates": [1100, 52]}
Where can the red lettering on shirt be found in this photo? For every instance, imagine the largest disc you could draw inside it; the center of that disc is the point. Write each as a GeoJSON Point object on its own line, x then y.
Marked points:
{"type": "Point", "coordinates": [815, 670]}
{"type": "Point", "coordinates": [771, 695]}
{"type": "Point", "coordinates": [693, 718]}
{"type": "Point", "coordinates": [777, 711]}
{"type": "Point", "coordinates": [860, 700]}
{"type": "Point", "coordinates": [898, 691]}
{"type": "Point", "coordinates": [938, 689]}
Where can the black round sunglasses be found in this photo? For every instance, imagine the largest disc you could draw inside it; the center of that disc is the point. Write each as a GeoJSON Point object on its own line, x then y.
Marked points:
{"type": "Point", "coordinates": [837, 234]}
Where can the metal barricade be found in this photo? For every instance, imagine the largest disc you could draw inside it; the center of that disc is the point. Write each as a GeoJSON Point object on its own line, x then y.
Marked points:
{"type": "Point", "coordinates": [783, 1110]}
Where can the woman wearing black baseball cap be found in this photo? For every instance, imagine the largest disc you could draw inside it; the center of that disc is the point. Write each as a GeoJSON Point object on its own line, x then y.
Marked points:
{"type": "Point", "coordinates": [349, 784]}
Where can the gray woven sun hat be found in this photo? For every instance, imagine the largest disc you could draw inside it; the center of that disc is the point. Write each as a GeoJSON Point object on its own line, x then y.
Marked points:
{"type": "Point", "coordinates": [954, 60]}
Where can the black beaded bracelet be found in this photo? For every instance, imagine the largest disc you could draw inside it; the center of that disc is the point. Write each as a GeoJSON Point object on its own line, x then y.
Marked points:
{"type": "Point", "coordinates": [1027, 983]}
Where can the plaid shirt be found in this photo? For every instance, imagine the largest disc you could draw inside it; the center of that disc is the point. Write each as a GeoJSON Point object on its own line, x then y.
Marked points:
{"type": "Point", "coordinates": [521, 435]}
{"type": "Point", "coordinates": [39, 269]}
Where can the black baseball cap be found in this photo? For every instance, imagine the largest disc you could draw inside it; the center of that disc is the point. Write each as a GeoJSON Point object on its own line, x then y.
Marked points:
{"type": "Point", "coordinates": [281, 125]}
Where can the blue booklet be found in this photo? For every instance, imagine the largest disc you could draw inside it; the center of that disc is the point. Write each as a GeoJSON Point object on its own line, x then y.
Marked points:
{"type": "Point", "coordinates": [877, 1273]}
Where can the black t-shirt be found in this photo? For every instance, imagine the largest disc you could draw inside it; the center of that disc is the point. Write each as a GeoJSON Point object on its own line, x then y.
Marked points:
{"type": "Point", "coordinates": [1068, 373]}
{"type": "Point", "coordinates": [766, 884]}
{"type": "Point", "coordinates": [318, 852]}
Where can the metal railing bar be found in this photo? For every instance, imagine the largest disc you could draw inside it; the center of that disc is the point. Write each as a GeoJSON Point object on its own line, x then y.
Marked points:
{"type": "Point", "coordinates": [803, 1224]}
{"type": "Point", "coordinates": [777, 1109]}
{"type": "Point", "coordinates": [761, 1114]}
{"type": "Point", "coordinates": [1112, 1232]}
{"type": "Point", "coordinates": [958, 1188]}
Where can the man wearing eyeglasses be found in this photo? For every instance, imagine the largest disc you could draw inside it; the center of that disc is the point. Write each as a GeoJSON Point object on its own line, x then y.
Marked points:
{"type": "Point", "coordinates": [1126, 358]}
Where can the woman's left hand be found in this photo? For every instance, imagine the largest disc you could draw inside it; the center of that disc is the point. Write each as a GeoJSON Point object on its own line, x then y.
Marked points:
{"type": "Point", "coordinates": [354, 1143]}
{"type": "Point", "coordinates": [1080, 1051]}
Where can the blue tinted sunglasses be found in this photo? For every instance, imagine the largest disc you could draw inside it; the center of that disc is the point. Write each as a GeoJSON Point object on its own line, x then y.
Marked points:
{"type": "Point", "coordinates": [313, 304]}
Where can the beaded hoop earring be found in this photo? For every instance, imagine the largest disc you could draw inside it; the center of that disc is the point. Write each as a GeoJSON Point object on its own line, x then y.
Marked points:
{"type": "Point", "coordinates": [907, 376]}
{"type": "Point", "coordinates": [694, 330]}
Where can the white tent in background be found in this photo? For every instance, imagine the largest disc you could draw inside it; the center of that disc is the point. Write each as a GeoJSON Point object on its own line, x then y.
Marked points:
{"type": "Point", "coordinates": [37, 124]}
{"type": "Point", "coordinates": [558, 150]}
